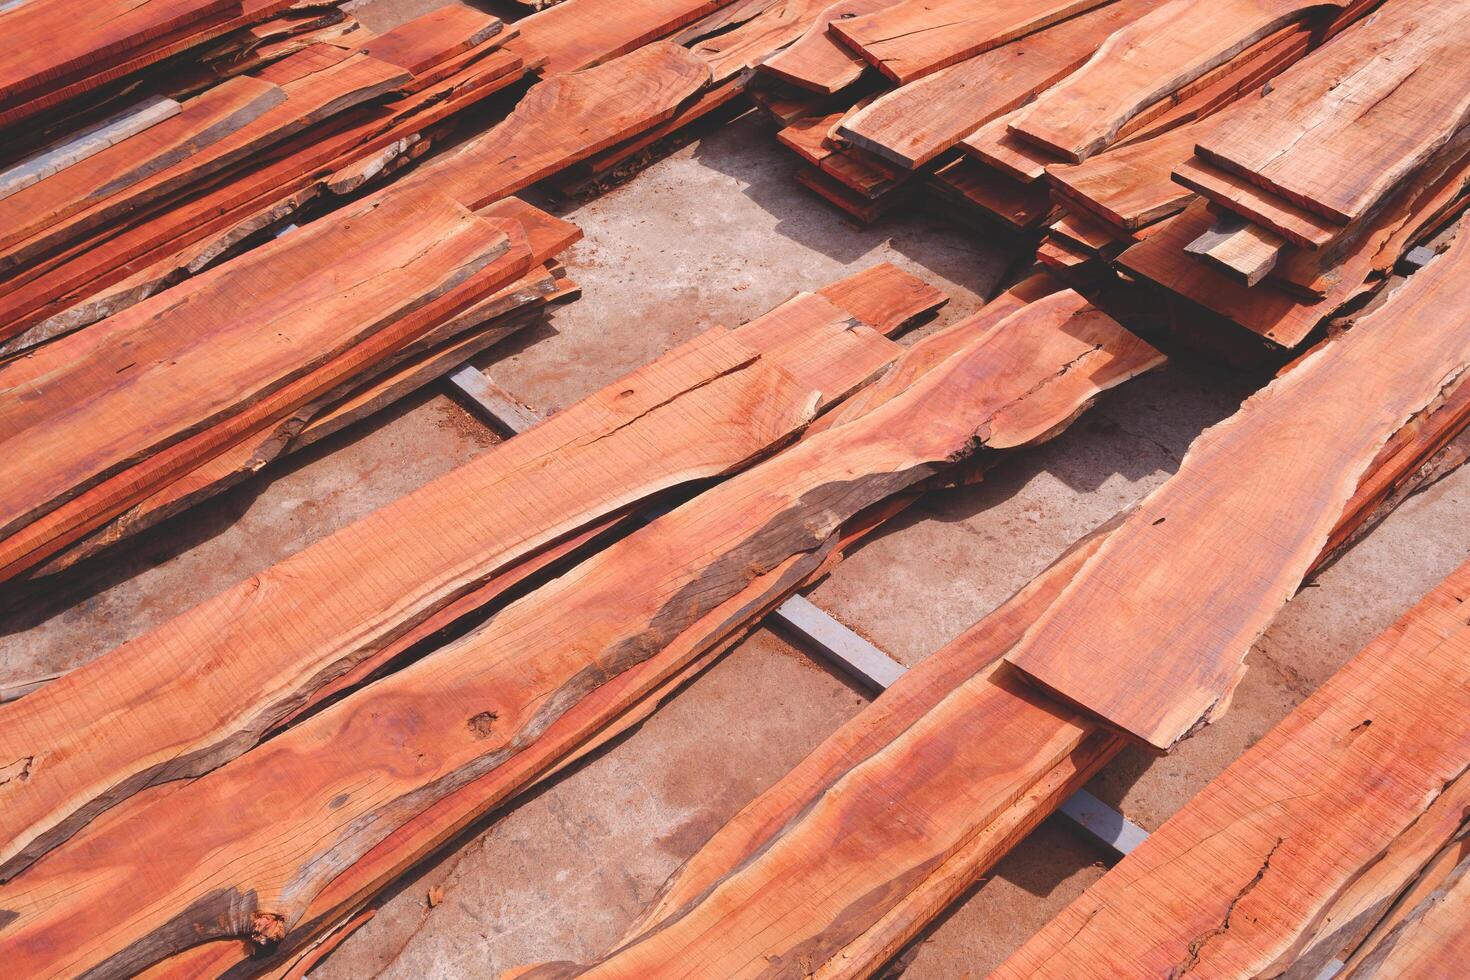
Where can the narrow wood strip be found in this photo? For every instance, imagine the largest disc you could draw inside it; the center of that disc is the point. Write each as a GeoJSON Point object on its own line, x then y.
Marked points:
{"type": "Point", "coordinates": [1243, 251]}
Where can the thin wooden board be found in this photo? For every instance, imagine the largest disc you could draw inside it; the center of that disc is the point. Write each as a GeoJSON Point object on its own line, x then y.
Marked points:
{"type": "Point", "coordinates": [435, 37]}
{"type": "Point", "coordinates": [817, 61]}
{"type": "Point", "coordinates": [1128, 639]}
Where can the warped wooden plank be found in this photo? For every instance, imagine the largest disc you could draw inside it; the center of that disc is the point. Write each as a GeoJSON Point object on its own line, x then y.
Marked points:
{"type": "Point", "coordinates": [48, 44]}
{"type": "Point", "coordinates": [433, 545]}
{"type": "Point", "coordinates": [732, 915]}
{"type": "Point", "coordinates": [914, 38]}
{"type": "Point", "coordinates": [577, 34]}
{"type": "Point", "coordinates": [1340, 129]}
{"type": "Point", "coordinates": [914, 124]}
{"type": "Point", "coordinates": [1241, 881]}
{"type": "Point", "coordinates": [86, 143]}
{"type": "Point", "coordinates": [202, 122]}
{"type": "Point", "coordinates": [567, 118]}
{"type": "Point", "coordinates": [1147, 61]}
{"type": "Point", "coordinates": [817, 61]}
{"type": "Point", "coordinates": [317, 95]}
{"type": "Point", "coordinates": [426, 41]}
{"type": "Point", "coordinates": [1140, 654]}
{"type": "Point", "coordinates": [499, 688]}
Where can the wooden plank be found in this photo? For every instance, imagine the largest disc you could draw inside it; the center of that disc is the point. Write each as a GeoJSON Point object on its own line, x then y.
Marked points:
{"type": "Point", "coordinates": [203, 122]}
{"type": "Point", "coordinates": [996, 146]}
{"type": "Point", "coordinates": [914, 124]}
{"type": "Point", "coordinates": [1129, 186]}
{"type": "Point", "coordinates": [432, 546]}
{"type": "Point", "coordinates": [1140, 654]}
{"type": "Point", "coordinates": [428, 40]}
{"type": "Point", "coordinates": [1012, 385]}
{"type": "Point", "coordinates": [1022, 207]}
{"type": "Point", "coordinates": [885, 298]}
{"type": "Point", "coordinates": [567, 118]}
{"type": "Point", "coordinates": [1144, 63]}
{"type": "Point", "coordinates": [817, 61]}
{"type": "Point", "coordinates": [1343, 127]}
{"type": "Point", "coordinates": [914, 38]}
{"type": "Point", "coordinates": [733, 52]}
{"type": "Point", "coordinates": [1430, 939]}
{"type": "Point", "coordinates": [1244, 879]}
{"type": "Point", "coordinates": [86, 143]}
{"type": "Point", "coordinates": [1243, 251]}
{"type": "Point", "coordinates": [577, 34]}
{"type": "Point", "coordinates": [51, 42]}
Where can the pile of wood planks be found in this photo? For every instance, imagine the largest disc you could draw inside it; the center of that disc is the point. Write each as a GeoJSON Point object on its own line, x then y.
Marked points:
{"type": "Point", "coordinates": [875, 422]}
{"type": "Point", "coordinates": [1138, 632]}
{"type": "Point", "coordinates": [195, 159]}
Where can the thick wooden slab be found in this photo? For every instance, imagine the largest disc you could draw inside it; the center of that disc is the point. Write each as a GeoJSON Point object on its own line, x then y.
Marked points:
{"type": "Point", "coordinates": [1343, 127]}
{"type": "Point", "coordinates": [914, 38]}
{"type": "Point", "coordinates": [1144, 63]}
{"type": "Point", "coordinates": [1153, 634]}
{"type": "Point", "coordinates": [817, 61]}
{"type": "Point", "coordinates": [917, 122]}
{"type": "Point", "coordinates": [567, 118]}
{"type": "Point", "coordinates": [1245, 880]}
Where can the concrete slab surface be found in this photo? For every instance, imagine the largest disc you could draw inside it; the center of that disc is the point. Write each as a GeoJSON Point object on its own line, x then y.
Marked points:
{"type": "Point", "coordinates": [719, 233]}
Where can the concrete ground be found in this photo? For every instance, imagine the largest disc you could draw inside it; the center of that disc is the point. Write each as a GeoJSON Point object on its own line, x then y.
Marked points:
{"type": "Point", "coordinates": [719, 233]}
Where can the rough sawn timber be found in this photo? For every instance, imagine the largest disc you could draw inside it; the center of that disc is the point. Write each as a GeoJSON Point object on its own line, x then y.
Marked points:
{"type": "Point", "coordinates": [1146, 62]}
{"type": "Point", "coordinates": [1128, 640]}
{"type": "Point", "coordinates": [349, 774]}
{"type": "Point", "coordinates": [1243, 880]}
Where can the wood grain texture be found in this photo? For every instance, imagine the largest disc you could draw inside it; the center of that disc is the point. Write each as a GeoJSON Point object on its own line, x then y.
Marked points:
{"type": "Point", "coordinates": [974, 187]}
{"type": "Point", "coordinates": [497, 690]}
{"type": "Point", "coordinates": [1129, 186]}
{"type": "Point", "coordinates": [1343, 127]}
{"type": "Point", "coordinates": [1240, 881]}
{"type": "Point", "coordinates": [577, 34]}
{"type": "Point", "coordinates": [567, 118]}
{"type": "Point", "coordinates": [1144, 63]}
{"type": "Point", "coordinates": [817, 61]}
{"type": "Point", "coordinates": [296, 627]}
{"type": "Point", "coordinates": [733, 52]}
{"type": "Point", "coordinates": [914, 38]}
{"type": "Point", "coordinates": [914, 124]}
{"type": "Point", "coordinates": [1243, 251]}
{"type": "Point", "coordinates": [435, 37]}
{"type": "Point", "coordinates": [1127, 640]}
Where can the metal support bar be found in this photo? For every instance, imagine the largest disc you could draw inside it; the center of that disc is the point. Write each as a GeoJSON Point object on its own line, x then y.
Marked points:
{"type": "Point", "coordinates": [830, 638]}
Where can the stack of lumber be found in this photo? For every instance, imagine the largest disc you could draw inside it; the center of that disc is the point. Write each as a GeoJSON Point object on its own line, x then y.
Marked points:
{"type": "Point", "coordinates": [117, 426]}
{"type": "Point", "coordinates": [1284, 863]}
{"type": "Point", "coordinates": [1138, 632]}
{"type": "Point", "coordinates": [196, 160]}
{"type": "Point", "coordinates": [272, 844]}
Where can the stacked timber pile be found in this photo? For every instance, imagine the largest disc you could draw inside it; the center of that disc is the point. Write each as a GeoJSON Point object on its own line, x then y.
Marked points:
{"type": "Point", "coordinates": [1138, 633]}
{"type": "Point", "coordinates": [279, 843]}
{"type": "Point", "coordinates": [125, 191]}
{"type": "Point", "coordinates": [1159, 142]}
